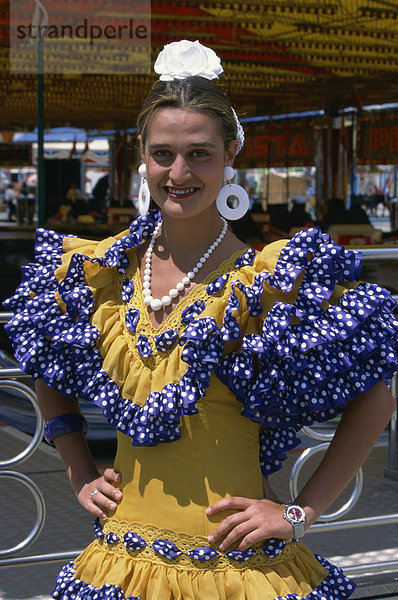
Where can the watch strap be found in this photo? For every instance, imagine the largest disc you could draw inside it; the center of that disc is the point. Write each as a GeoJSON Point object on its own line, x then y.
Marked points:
{"type": "Point", "coordinates": [298, 529]}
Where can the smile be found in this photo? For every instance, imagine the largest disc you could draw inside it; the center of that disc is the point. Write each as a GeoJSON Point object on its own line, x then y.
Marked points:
{"type": "Point", "coordinates": [180, 192]}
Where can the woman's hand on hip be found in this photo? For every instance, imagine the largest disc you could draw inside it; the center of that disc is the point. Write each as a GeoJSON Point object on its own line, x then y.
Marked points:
{"type": "Point", "coordinates": [253, 521]}
{"type": "Point", "coordinates": [99, 495]}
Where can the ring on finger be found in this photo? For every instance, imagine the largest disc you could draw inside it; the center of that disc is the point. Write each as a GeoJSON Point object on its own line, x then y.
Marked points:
{"type": "Point", "coordinates": [93, 492]}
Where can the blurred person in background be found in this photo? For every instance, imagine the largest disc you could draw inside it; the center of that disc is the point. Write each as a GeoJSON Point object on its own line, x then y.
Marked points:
{"type": "Point", "coordinates": [10, 201]}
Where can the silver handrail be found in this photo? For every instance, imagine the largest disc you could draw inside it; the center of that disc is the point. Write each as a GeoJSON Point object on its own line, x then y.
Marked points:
{"type": "Point", "coordinates": [41, 511]}
{"type": "Point", "coordinates": [392, 438]}
{"type": "Point", "coordinates": [295, 472]}
{"type": "Point", "coordinates": [18, 459]}
{"type": "Point", "coordinates": [13, 372]}
{"type": "Point", "coordinates": [383, 254]}
{"type": "Point", "coordinates": [5, 316]}
{"type": "Point", "coordinates": [38, 434]}
{"type": "Point", "coordinates": [355, 523]}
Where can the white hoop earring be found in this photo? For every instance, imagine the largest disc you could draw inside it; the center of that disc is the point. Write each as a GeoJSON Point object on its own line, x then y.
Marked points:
{"type": "Point", "coordinates": [232, 200]}
{"type": "Point", "coordinates": [144, 195]}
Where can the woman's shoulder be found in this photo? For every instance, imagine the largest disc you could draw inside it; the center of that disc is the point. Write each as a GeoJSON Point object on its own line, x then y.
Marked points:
{"type": "Point", "coordinates": [69, 261]}
{"type": "Point", "coordinates": [309, 249]}
{"type": "Point", "coordinates": [318, 337]}
{"type": "Point", "coordinates": [251, 261]}
{"type": "Point", "coordinates": [59, 250]}
{"type": "Point", "coordinates": [268, 256]}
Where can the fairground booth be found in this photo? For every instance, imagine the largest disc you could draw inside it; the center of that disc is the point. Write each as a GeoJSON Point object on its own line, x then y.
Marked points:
{"type": "Point", "coordinates": [315, 85]}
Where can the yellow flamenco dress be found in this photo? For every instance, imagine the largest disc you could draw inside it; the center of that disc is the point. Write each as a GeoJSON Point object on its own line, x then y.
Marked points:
{"type": "Point", "coordinates": [203, 405]}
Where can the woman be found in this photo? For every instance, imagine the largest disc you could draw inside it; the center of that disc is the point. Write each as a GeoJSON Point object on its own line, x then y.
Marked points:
{"type": "Point", "coordinates": [202, 375]}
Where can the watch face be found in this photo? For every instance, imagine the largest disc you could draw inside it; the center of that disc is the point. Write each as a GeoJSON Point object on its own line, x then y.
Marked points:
{"type": "Point", "coordinates": [295, 514]}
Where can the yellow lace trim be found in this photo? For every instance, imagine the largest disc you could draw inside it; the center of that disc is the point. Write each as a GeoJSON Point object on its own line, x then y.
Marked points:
{"type": "Point", "coordinates": [185, 543]}
{"type": "Point", "coordinates": [173, 320]}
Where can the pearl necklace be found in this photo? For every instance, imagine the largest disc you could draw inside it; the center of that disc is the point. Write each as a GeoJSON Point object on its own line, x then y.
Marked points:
{"type": "Point", "coordinates": [156, 303]}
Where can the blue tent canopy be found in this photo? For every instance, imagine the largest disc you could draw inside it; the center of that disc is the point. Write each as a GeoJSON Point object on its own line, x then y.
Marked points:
{"type": "Point", "coordinates": [59, 134]}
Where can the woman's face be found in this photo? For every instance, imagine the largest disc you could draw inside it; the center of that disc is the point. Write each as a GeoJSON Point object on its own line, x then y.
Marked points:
{"type": "Point", "coordinates": [185, 159]}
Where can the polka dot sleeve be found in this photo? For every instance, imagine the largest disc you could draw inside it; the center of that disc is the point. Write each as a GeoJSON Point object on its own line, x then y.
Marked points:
{"type": "Point", "coordinates": [45, 338]}
{"type": "Point", "coordinates": [315, 352]}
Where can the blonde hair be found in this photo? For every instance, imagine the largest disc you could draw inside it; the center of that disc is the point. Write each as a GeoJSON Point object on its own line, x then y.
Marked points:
{"type": "Point", "coordinates": [192, 93]}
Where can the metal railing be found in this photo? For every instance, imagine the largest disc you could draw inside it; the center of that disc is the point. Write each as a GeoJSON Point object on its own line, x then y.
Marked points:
{"type": "Point", "coordinates": [325, 524]}
{"type": "Point", "coordinates": [20, 477]}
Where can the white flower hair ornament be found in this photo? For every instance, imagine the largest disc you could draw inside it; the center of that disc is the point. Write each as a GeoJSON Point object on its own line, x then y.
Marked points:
{"type": "Point", "coordinates": [183, 59]}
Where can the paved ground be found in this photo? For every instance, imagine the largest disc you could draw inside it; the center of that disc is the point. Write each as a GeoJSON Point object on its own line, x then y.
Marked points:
{"type": "Point", "coordinates": [68, 528]}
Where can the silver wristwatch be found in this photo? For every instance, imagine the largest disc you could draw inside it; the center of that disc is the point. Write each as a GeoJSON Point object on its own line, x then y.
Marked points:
{"type": "Point", "coordinates": [295, 514]}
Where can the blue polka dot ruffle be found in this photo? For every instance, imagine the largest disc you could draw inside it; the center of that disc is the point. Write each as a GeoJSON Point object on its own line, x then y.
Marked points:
{"type": "Point", "coordinates": [127, 290]}
{"type": "Point", "coordinates": [144, 346]}
{"type": "Point", "coordinates": [170, 551]}
{"type": "Point", "coordinates": [308, 362]}
{"type": "Point", "coordinates": [133, 541]}
{"type": "Point", "coordinates": [335, 586]}
{"type": "Point", "coordinates": [166, 340]}
{"type": "Point", "coordinates": [132, 318]}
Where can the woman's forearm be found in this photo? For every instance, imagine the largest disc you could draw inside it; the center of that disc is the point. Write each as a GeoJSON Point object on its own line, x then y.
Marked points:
{"type": "Point", "coordinates": [362, 422]}
{"type": "Point", "coordinates": [97, 493]}
{"type": "Point", "coordinates": [72, 447]}
{"type": "Point", "coordinates": [77, 458]}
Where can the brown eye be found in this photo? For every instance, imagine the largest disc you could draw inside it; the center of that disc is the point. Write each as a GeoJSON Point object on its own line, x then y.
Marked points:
{"type": "Point", "coordinates": [200, 153]}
